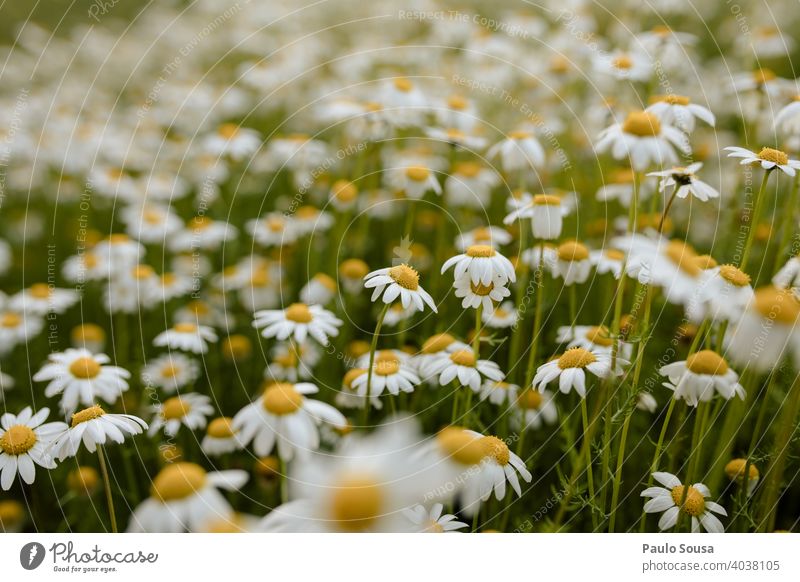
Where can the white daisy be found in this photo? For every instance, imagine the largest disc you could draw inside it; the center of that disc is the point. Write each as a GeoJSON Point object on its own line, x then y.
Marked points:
{"type": "Point", "coordinates": [643, 139]}
{"type": "Point", "coordinates": [572, 263]}
{"type": "Point", "coordinates": [697, 378]}
{"type": "Point", "coordinates": [414, 181]}
{"type": "Point", "coordinates": [285, 418]}
{"type": "Point", "coordinates": [679, 111]}
{"type": "Point", "coordinates": [479, 295]}
{"type": "Point", "coordinates": [483, 264]}
{"type": "Point", "coordinates": [593, 338]}
{"type": "Point", "coordinates": [233, 141]}
{"type": "Point", "coordinates": [570, 368]}
{"type": "Point", "coordinates": [465, 367]}
{"type": "Point", "coordinates": [185, 497]}
{"type": "Point", "coordinates": [533, 409]}
{"type": "Point", "coordinates": [674, 498]}
{"type": "Point", "coordinates": [788, 276]}
{"type": "Point", "coordinates": [188, 337]}
{"type": "Point", "coordinates": [608, 261]}
{"type": "Point", "coordinates": [17, 327]}
{"type": "Point", "coordinates": [221, 438]}
{"type": "Point", "coordinates": [24, 442]}
{"type": "Point", "coordinates": [788, 118]}
{"type": "Point", "coordinates": [399, 281]}
{"type": "Point", "coordinates": [41, 299]}
{"type": "Point", "coordinates": [520, 150]}
{"type": "Point", "coordinates": [493, 236]}
{"type": "Point", "coordinates": [82, 377]}
{"type": "Point", "coordinates": [498, 392]}
{"type": "Point", "coordinates": [297, 321]}
{"type": "Point", "coordinates": [92, 427]}
{"type": "Point", "coordinates": [470, 185]}
{"type": "Point", "coordinates": [390, 373]}
{"type": "Point", "coordinates": [502, 316]}
{"type": "Point", "coordinates": [432, 521]}
{"type": "Point", "coordinates": [170, 372]}
{"type": "Point", "coordinates": [685, 182]}
{"type": "Point", "coordinates": [623, 65]}
{"type": "Point", "coordinates": [767, 158]}
{"type": "Point", "coordinates": [546, 212]}
{"type": "Point", "coordinates": [319, 290]}
{"type": "Point", "coordinates": [190, 410]}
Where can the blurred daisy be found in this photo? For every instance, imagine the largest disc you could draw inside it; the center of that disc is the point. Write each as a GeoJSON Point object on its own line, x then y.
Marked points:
{"type": "Point", "coordinates": [608, 261]}
{"type": "Point", "coordinates": [233, 141]}
{"type": "Point", "coordinates": [220, 438]}
{"type": "Point", "coordinates": [534, 409]}
{"type": "Point", "coordinates": [469, 185]}
{"type": "Point", "coordinates": [399, 281]}
{"type": "Point", "coordinates": [285, 418]}
{"type": "Point", "coordinates": [92, 427]}
{"type": "Point", "coordinates": [493, 236]}
{"type": "Point", "coordinates": [697, 378]}
{"type": "Point", "coordinates": [297, 321]}
{"type": "Point", "coordinates": [570, 369]}
{"type": "Point", "coordinates": [170, 372]}
{"type": "Point", "coordinates": [788, 275]}
{"type": "Point", "coordinates": [592, 338]}
{"type": "Point", "coordinates": [190, 410]}
{"type": "Point", "coordinates": [500, 317]}
{"type": "Point", "coordinates": [414, 181]}
{"type": "Point", "coordinates": [24, 442]}
{"type": "Point", "coordinates": [432, 521]}
{"type": "Point", "coordinates": [319, 290]}
{"type": "Point", "coordinates": [41, 299]}
{"type": "Point", "coordinates": [185, 497]}
{"type": "Point", "coordinates": [17, 327]}
{"type": "Point", "coordinates": [624, 65]}
{"type": "Point", "coordinates": [520, 150]}
{"type": "Point", "coordinates": [572, 263]}
{"type": "Point", "coordinates": [546, 212]}
{"type": "Point", "coordinates": [679, 111]}
{"type": "Point", "coordinates": [788, 118]}
{"type": "Point", "coordinates": [674, 498]}
{"type": "Point", "coordinates": [498, 392]}
{"type": "Point", "coordinates": [82, 377]}
{"type": "Point", "coordinates": [187, 337]}
{"type": "Point", "coordinates": [735, 471]}
{"type": "Point", "coordinates": [644, 139]}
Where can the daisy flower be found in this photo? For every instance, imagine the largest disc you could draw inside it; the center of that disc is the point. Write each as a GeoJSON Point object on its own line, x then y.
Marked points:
{"type": "Point", "coordinates": [591, 337]}
{"type": "Point", "coordinates": [285, 418]}
{"type": "Point", "coordinates": [494, 236]}
{"type": "Point", "coordinates": [788, 275]}
{"type": "Point", "coordinates": [343, 195]}
{"type": "Point", "coordinates": [722, 294]}
{"type": "Point", "coordinates": [767, 158]}
{"type": "Point", "coordinates": [233, 141]}
{"type": "Point", "coordinates": [470, 185]}
{"type": "Point", "coordinates": [674, 498]}
{"type": "Point", "coordinates": [498, 392]}
{"type": "Point", "coordinates": [24, 442]}
{"type": "Point", "coordinates": [17, 327]}
{"type": "Point", "coordinates": [202, 232]}
{"type": "Point", "coordinates": [297, 321]}
{"type": "Point", "coordinates": [220, 438]}
{"type": "Point", "coordinates": [643, 139]}
{"type": "Point", "coordinates": [440, 344]}
{"type": "Point", "coordinates": [697, 378]}
{"type": "Point", "coordinates": [608, 261]}
{"type": "Point", "coordinates": [623, 65]}
{"type": "Point", "coordinates": [685, 182]}
{"type": "Point", "coordinates": [572, 263]}
{"type": "Point", "coordinates": [570, 368]}
{"type": "Point", "coordinates": [364, 487]}
{"type": "Point", "coordinates": [483, 264]}
{"type": "Point", "coordinates": [190, 410]}
{"type": "Point", "coordinates": [352, 273]}
{"type": "Point", "coordinates": [92, 427]}
{"type": "Point", "coordinates": [619, 186]}
{"type": "Point", "coordinates": [479, 295]}
{"type": "Point", "coordinates": [678, 111]}
{"type": "Point", "coordinates": [185, 497]}
{"type": "Point", "coordinates": [319, 290]}
{"type": "Point", "coordinates": [399, 281]}
{"type": "Point", "coordinates": [546, 212]}
{"type": "Point", "coordinates": [6, 382]}
{"type": "Point", "coordinates": [170, 372]}
{"type": "Point", "coordinates": [432, 521]}
{"type": "Point", "coordinates": [390, 373]}
{"type": "Point", "coordinates": [41, 299]}
{"type": "Point", "coordinates": [188, 337]}
{"type": "Point", "coordinates": [788, 118]}
{"type": "Point", "coordinates": [82, 377]}
{"type": "Point", "coordinates": [414, 181]}
{"type": "Point", "coordinates": [533, 409]}
{"type": "Point", "coordinates": [89, 336]}
{"type": "Point", "coordinates": [464, 366]}
{"type": "Point", "coordinates": [520, 150]}
{"type": "Point", "coordinates": [735, 471]}
{"type": "Point", "coordinates": [502, 316]}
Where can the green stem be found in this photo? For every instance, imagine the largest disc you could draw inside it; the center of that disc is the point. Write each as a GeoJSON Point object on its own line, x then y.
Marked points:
{"type": "Point", "coordinates": [786, 229]}
{"type": "Point", "coordinates": [107, 487]}
{"type": "Point", "coordinates": [753, 223]}
{"type": "Point", "coordinates": [657, 456]}
{"type": "Point", "coordinates": [373, 345]}
{"type": "Point", "coordinates": [537, 319]}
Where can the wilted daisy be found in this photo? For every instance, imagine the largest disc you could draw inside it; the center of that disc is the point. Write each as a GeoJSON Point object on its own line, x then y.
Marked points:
{"type": "Point", "coordinates": [190, 410]}
{"type": "Point", "coordinates": [685, 182]}
{"type": "Point", "coordinates": [284, 418]}
{"type": "Point", "coordinates": [298, 321]}
{"type": "Point", "coordinates": [400, 281]}
{"type": "Point", "coordinates": [674, 498]}
{"type": "Point", "coordinates": [188, 337]}
{"type": "Point", "coordinates": [432, 521]}
{"type": "Point", "coordinates": [679, 111]}
{"type": "Point", "coordinates": [735, 471]}
{"type": "Point", "coordinates": [364, 487]}
{"type": "Point", "coordinates": [82, 377]}
{"type": "Point", "coordinates": [24, 443]}
{"type": "Point", "coordinates": [570, 369]}
{"type": "Point", "coordinates": [767, 158]}
{"type": "Point", "coordinates": [520, 150]}
{"type": "Point", "coordinates": [220, 438]}
{"type": "Point", "coordinates": [701, 375]}
{"type": "Point", "coordinates": [644, 139]}
{"type": "Point", "coordinates": [184, 497]}
{"type": "Point", "coordinates": [170, 372]}
{"type": "Point", "coordinates": [482, 264]}
{"type": "Point", "coordinates": [480, 295]}
{"type": "Point", "coordinates": [465, 367]}
{"type": "Point", "coordinates": [93, 426]}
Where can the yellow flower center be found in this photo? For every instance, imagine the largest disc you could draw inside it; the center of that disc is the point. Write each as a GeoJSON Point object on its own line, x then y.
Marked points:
{"type": "Point", "coordinates": [175, 408]}
{"type": "Point", "coordinates": [299, 313]}
{"type": "Point", "coordinates": [463, 358]}
{"type": "Point", "coordinates": [142, 272]}
{"type": "Point", "coordinates": [496, 449]}
{"type": "Point", "coordinates": [437, 343]}
{"type": "Point", "coordinates": [705, 262]}
{"type": "Point", "coordinates": [734, 276]}
{"type": "Point", "coordinates": [779, 305]}
{"type": "Point", "coordinates": [614, 254]}
{"type": "Point", "coordinates": [405, 276]}
{"type": "Point", "coordinates": [387, 365]}
{"type": "Point", "coordinates": [694, 504]}
{"type": "Point", "coordinates": [518, 135]}
{"type": "Point", "coordinates": [546, 200]}
{"type": "Point", "coordinates": [228, 130]}
{"type": "Point", "coordinates": [403, 84]}
{"type": "Point", "coordinates": [683, 256]}
{"type": "Point", "coordinates": [762, 76]}
{"type": "Point", "coordinates": [84, 368]}
{"type": "Point", "coordinates": [10, 319]}
{"type": "Point", "coordinates": [461, 446]}
{"type": "Point", "coordinates": [530, 399]}
{"type": "Point", "coordinates": [356, 502]}
{"type": "Point", "coordinates": [468, 169]}
{"type": "Point", "coordinates": [572, 251]}
{"type": "Point", "coordinates": [353, 269]}
{"type": "Point", "coordinates": [185, 327]}
{"type": "Point", "coordinates": [220, 428]}
{"type": "Point", "coordinates": [88, 332]}
{"type": "Point", "coordinates": [87, 414]}
{"type": "Point", "coordinates": [83, 480]}
{"type": "Point", "coordinates": [17, 440]}
{"type": "Point", "coordinates": [457, 102]}
{"type": "Point", "coordinates": [281, 399]}
{"type": "Point", "coordinates": [774, 156]}
{"type": "Point", "coordinates": [622, 62]}
{"type": "Point", "coordinates": [178, 481]}
{"type": "Point", "coordinates": [482, 290]}
{"type": "Point", "coordinates": [641, 124]}
{"type": "Point", "coordinates": [351, 375]}
{"type": "Point", "coordinates": [576, 358]}
{"type": "Point", "coordinates": [599, 336]}
{"type": "Point", "coordinates": [480, 251]}
{"type": "Point", "coordinates": [671, 99]}
{"type": "Point", "coordinates": [344, 191]}
{"type": "Point", "coordinates": [735, 470]}
{"type": "Point", "coordinates": [40, 290]}
{"type": "Point", "coordinates": [417, 173]}
{"type": "Point", "coordinates": [707, 362]}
